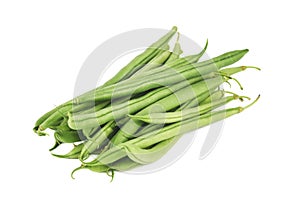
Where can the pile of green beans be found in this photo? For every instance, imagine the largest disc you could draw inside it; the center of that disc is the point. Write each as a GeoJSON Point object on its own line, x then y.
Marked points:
{"type": "Point", "coordinates": [139, 114]}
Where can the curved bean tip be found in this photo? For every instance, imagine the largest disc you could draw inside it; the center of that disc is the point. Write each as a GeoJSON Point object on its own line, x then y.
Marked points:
{"type": "Point", "coordinates": [228, 83]}
{"type": "Point", "coordinates": [111, 173]}
{"type": "Point", "coordinates": [250, 67]}
{"type": "Point", "coordinates": [251, 104]}
{"type": "Point", "coordinates": [174, 28]}
{"type": "Point", "coordinates": [57, 143]}
{"type": "Point", "coordinates": [75, 170]}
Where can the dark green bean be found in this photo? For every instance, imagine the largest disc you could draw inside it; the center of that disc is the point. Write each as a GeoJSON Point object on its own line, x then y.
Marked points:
{"type": "Point", "coordinates": [73, 154]}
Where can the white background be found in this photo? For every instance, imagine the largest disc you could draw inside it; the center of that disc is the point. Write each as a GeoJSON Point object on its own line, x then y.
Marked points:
{"type": "Point", "coordinates": [42, 47]}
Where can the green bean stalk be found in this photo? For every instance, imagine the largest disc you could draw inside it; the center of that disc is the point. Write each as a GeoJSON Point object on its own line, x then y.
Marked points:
{"type": "Point", "coordinates": [139, 114]}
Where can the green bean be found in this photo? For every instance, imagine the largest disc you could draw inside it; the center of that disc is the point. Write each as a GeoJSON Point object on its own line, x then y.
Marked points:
{"type": "Point", "coordinates": [37, 129]}
{"type": "Point", "coordinates": [185, 61]}
{"type": "Point", "coordinates": [191, 124]}
{"type": "Point", "coordinates": [123, 164]}
{"type": "Point", "coordinates": [94, 168]}
{"type": "Point", "coordinates": [148, 155]}
{"type": "Point", "coordinates": [67, 136]}
{"type": "Point", "coordinates": [62, 131]}
{"type": "Point", "coordinates": [54, 118]}
{"type": "Point", "coordinates": [123, 74]}
{"type": "Point", "coordinates": [73, 154]}
{"type": "Point", "coordinates": [204, 98]}
{"type": "Point", "coordinates": [118, 111]}
{"type": "Point", "coordinates": [156, 62]}
{"type": "Point", "coordinates": [171, 117]}
{"type": "Point", "coordinates": [131, 127]}
{"type": "Point", "coordinates": [233, 70]}
{"type": "Point", "coordinates": [133, 86]}
{"type": "Point", "coordinates": [168, 103]}
{"type": "Point", "coordinates": [141, 59]}
{"type": "Point", "coordinates": [166, 133]}
{"type": "Point", "coordinates": [149, 128]}
{"type": "Point", "coordinates": [195, 58]}
{"type": "Point", "coordinates": [227, 72]}
{"type": "Point", "coordinates": [176, 51]}
{"type": "Point", "coordinates": [213, 97]}
{"type": "Point", "coordinates": [95, 142]}
{"type": "Point", "coordinates": [200, 99]}
{"type": "Point", "coordinates": [210, 97]}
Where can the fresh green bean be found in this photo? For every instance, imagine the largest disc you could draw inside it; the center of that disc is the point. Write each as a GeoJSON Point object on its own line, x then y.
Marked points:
{"type": "Point", "coordinates": [171, 117]}
{"type": "Point", "coordinates": [170, 76]}
{"type": "Point", "coordinates": [123, 164]}
{"type": "Point", "coordinates": [177, 51]}
{"type": "Point", "coordinates": [67, 136]}
{"type": "Point", "coordinates": [116, 112]}
{"type": "Point", "coordinates": [94, 168]}
{"type": "Point", "coordinates": [156, 62]}
{"type": "Point", "coordinates": [123, 74]}
{"type": "Point", "coordinates": [54, 118]}
{"type": "Point", "coordinates": [172, 101]}
{"type": "Point", "coordinates": [131, 127]}
{"type": "Point", "coordinates": [141, 59]}
{"type": "Point", "coordinates": [196, 57]}
{"type": "Point", "coordinates": [138, 115]}
{"type": "Point", "coordinates": [174, 130]}
{"type": "Point", "coordinates": [95, 142]}
{"type": "Point", "coordinates": [73, 154]}
{"type": "Point", "coordinates": [204, 98]}
{"type": "Point", "coordinates": [227, 72]}
{"type": "Point", "coordinates": [210, 97]}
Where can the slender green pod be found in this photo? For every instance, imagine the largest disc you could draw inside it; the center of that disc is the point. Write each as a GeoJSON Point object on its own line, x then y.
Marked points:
{"type": "Point", "coordinates": [95, 168]}
{"type": "Point", "coordinates": [196, 57]}
{"type": "Point", "coordinates": [167, 76]}
{"type": "Point", "coordinates": [177, 51]}
{"type": "Point", "coordinates": [73, 154]}
{"type": "Point", "coordinates": [190, 125]}
{"type": "Point", "coordinates": [204, 98]}
{"type": "Point", "coordinates": [67, 136]}
{"type": "Point", "coordinates": [220, 93]}
{"type": "Point", "coordinates": [170, 102]}
{"type": "Point", "coordinates": [98, 139]}
{"type": "Point", "coordinates": [77, 122]}
{"type": "Point", "coordinates": [194, 102]}
{"type": "Point", "coordinates": [54, 118]}
{"type": "Point", "coordinates": [142, 59]}
{"type": "Point", "coordinates": [234, 70]}
{"type": "Point", "coordinates": [171, 117]}
{"type": "Point", "coordinates": [123, 74]}
{"type": "Point", "coordinates": [132, 127]}
{"type": "Point", "coordinates": [155, 62]}
{"type": "Point", "coordinates": [124, 164]}
{"type": "Point", "coordinates": [174, 130]}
